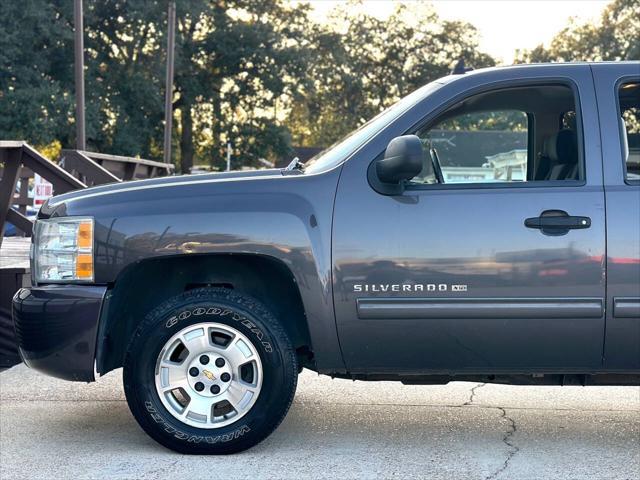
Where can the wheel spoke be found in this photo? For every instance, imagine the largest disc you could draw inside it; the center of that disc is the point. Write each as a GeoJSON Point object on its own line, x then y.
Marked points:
{"type": "Point", "coordinates": [239, 353]}
{"type": "Point", "coordinates": [200, 406]}
{"type": "Point", "coordinates": [196, 341]}
{"type": "Point", "coordinates": [239, 395]}
{"type": "Point", "coordinates": [183, 384]}
{"type": "Point", "coordinates": [173, 375]}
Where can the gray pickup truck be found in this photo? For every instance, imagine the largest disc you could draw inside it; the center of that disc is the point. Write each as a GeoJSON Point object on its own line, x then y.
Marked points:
{"type": "Point", "coordinates": [484, 228]}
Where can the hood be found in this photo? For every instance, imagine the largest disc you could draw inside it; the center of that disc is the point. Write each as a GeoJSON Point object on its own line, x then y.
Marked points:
{"type": "Point", "coordinates": [156, 182]}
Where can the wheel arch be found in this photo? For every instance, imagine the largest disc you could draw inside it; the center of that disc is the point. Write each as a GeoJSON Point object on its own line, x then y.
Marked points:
{"type": "Point", "coordinates": [138, 290]}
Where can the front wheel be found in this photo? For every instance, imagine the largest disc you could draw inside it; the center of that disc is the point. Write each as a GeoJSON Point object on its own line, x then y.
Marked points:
{"type": "Point", "coordinates": [210, 371]}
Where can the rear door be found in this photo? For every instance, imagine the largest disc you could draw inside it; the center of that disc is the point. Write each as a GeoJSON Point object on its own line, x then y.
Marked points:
{"type": "Point", "coordinates": [618, 94]}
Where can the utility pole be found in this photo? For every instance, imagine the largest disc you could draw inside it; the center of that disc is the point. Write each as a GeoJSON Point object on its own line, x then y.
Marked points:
{"type": "Point", "coordinates": [168, 94]}
{"type": "Point", "coordinates": [81, 143]}
{"type": "Point", "coordinates": [228, 156]}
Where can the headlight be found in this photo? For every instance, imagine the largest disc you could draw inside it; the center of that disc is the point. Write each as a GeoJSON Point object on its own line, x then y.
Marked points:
{"type": "Point", "coordinates": [63, 250]}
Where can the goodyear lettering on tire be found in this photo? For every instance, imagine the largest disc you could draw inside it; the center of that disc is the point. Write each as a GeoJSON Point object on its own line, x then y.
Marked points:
{"type": "Point", "coordinates": [219, 312]}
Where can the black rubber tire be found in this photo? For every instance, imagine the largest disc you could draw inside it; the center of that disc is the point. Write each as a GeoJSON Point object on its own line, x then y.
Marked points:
{"type": "Point", "coordinates": [243, 313]}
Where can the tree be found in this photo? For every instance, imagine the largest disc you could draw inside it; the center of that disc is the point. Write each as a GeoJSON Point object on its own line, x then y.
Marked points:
{"type": "Point", "coordinates": [125, 58]}
{"type": "Point", "coordinates": [36, 55]}
{"type": "Point", "coordinates": [615, 37]}
{"type": "Point", "coordinates": [123, 89]}
{"type": "Point", "coordinates": [234, 60]}
{"type": "Point", "coordinates": [363, 64]}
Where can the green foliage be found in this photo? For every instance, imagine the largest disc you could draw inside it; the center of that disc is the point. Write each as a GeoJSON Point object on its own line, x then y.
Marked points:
{"type": "Point", "coordinates": [362, 64]}
{"type": "Point", "coordinates": [125, 76]}
{"type": "Point", "coordinates": [35, 73]}
{"type": "Point", "coordinates": [616, 37]}
{"type": "Point", "coordinates": [258, 74]}
{"type": "Point", "coordinates": [234, 61]}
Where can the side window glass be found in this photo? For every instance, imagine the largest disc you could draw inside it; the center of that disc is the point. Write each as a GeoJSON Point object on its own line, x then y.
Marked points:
{"type": "Point", "coordinates": [481, 147]}
{"type": "Point", "coordinates": [629, 100]}
{"type": "Point", "coordinates": [515, 135]}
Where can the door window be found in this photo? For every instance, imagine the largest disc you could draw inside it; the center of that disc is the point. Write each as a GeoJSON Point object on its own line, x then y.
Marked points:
{"type": "Point", "coordinates": [629, 104]}
{"type": "Point", "coordinates": [480, 147]}
{"type": "Point", "coordinates": [515, 135]}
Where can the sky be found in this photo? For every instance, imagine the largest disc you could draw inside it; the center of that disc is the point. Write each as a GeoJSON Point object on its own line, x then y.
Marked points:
{"type": "Point", "coordinates": [504, 26]}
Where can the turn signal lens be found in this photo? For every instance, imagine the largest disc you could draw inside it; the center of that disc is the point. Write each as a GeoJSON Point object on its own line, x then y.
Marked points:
{"type": "Point", "coordinates": [84, 266]}
{"type": "Point", "coordinates": [85, 235]}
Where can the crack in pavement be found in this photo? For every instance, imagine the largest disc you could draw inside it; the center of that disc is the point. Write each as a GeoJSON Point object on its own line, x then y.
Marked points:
{"type": "Point", "coordinates": [506, 439]}
{"type": "Point", "coordinates": [473, 394]}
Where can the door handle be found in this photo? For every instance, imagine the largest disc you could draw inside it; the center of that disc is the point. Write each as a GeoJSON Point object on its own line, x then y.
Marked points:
{"type": "Point", "coordinates": [557, 222]}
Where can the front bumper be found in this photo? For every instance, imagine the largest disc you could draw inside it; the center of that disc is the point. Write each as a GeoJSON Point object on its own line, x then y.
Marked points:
{"type": "Point", "coordinates": [56, 328]}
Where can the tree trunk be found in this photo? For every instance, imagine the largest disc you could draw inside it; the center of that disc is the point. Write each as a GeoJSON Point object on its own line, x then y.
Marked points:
{"type": "Point", "coordinates": [186, 139]}
{"type": "Point", "coordinates": [216, 130]}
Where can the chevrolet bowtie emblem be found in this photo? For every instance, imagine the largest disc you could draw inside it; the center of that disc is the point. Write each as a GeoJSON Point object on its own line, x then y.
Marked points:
{"type": "Point", "coordinates": [209, 375]}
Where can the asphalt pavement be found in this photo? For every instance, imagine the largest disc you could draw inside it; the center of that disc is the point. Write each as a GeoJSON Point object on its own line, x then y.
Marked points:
{"type": "Point", "coordinates": [52, 429]}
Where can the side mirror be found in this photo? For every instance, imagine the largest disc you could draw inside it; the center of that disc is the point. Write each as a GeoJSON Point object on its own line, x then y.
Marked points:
{"type": "Point", "coordinates": [402, 160]}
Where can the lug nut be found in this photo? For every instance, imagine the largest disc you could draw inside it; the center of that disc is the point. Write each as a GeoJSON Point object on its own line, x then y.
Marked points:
{"type": "Point", "coordinates": [204, 359]}
{"type": "Point", "coordinates": [219, 362]}
{"type": "Point", "coordinates": [215, 389]}
{"type": "Point", "coordinates": [225, 377]}
{"type": "Point", "coordinates": [194, 372]}
{"type": "Point", "coordinates": [199, 386]}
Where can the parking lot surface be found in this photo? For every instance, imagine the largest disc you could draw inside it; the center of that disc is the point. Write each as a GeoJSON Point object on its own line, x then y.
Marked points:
{"type": "Point", "coordinates": [52, 429]}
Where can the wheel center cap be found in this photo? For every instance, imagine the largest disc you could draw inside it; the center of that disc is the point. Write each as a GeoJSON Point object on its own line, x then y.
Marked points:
{"type": "Point", "coordinates": [206, 378]}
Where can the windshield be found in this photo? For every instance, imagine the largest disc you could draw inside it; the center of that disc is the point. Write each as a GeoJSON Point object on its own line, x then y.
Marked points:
{"type": "Point", "coordinates": [340, 151]}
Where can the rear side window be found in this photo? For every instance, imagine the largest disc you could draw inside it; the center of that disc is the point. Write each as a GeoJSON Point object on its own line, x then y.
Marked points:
{"type": "Point", "coordinates": [629, 102]}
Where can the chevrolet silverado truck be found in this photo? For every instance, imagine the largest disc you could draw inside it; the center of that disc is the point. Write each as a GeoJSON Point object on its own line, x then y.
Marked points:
{"type": "Point", "coordinates": [485, 228]}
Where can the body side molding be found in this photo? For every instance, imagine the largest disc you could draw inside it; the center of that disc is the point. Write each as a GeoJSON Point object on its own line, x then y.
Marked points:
{"type": "Point", "coordinates": [416, 308]}
{"type": "Point", "coordinates": [626, 307]}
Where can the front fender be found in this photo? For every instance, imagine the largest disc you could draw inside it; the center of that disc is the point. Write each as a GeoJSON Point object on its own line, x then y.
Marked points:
{"type": "Point", "coordinates": [286, 218]}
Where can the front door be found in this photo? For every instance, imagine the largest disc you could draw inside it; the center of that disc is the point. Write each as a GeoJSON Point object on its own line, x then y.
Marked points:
{"type": "Point", "coordinates": [468, 270]}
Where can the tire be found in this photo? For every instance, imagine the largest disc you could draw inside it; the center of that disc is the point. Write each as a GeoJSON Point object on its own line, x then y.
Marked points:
{"type": "Point", "coordinates": [148, 376]}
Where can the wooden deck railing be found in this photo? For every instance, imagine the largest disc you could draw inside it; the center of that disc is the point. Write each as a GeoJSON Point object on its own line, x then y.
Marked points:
{"type": "Point", "coordinates": [98, 168]}
{"type": "Point", "coordinates": [75, 169]}
{"type": "Point", "coordinates": [20, 160]}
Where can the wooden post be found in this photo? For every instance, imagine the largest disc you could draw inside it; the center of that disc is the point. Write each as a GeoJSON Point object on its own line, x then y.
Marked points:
{"type": "Point", "coordinates": [11, 159]}
{"type": "Point", "coordinates": [81, 143]}
{"type": "Point", "coordinates": [168, 94]}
